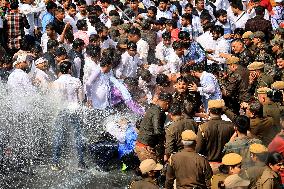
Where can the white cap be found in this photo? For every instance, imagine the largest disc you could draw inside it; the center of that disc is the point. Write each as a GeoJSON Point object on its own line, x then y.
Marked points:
{"type": "Point", "coordinates": [21, 58]}
{"type": "Point", "coordinates": [40, 60]}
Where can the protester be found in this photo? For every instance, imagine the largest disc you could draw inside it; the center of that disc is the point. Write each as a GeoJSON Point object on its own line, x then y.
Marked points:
{"type": "Point", "coordinates": [166, 61]}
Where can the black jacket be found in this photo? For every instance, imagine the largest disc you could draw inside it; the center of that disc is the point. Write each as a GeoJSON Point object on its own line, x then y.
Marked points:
{"type": "Point", "coordinates": [151, 132]}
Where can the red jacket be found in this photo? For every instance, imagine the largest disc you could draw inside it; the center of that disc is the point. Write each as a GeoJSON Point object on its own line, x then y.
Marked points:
{"type": "Point", "coordinates": [277, 145]}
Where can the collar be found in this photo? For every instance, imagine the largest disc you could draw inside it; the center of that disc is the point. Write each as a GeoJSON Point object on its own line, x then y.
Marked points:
{"type": "Point", "coordinates": [65, 75]}
{"type": "Point", "coordinates": [259, 164]}
{"type": "Point", "coordinates": [215, 118]}
{"type": "Point", "coordinates": [178, 119]}
{"type": "Point", "coordinates": [151, 180]}
{"type": "Point", "coordinates": [188, 150]}
{"type": "Point", "coordinates": [202, 75]}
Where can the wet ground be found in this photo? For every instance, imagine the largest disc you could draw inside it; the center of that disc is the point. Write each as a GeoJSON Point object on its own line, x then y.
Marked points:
{"type": "Point", "coordinates": [42, 177]}
{"type": "Point", "coordinates": [31, 133]}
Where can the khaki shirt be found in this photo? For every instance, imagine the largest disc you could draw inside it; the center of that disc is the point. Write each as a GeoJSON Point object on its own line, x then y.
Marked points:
{"type": "Point", "coordinates": [212, 137]}
{"type": "Point", "coordinates": [253, 173]}
{"type": "Point", "coordinates": [273, 110]}
{"type": "Point", "coordinates": [146, 183]}
{"type": "Point", "coordinates": [263, 129]}
{"type": "Point", "coordinates": [173, 134]}
{"type": "Point", "coordinates": [189, 169]}
{"type": "Point", "coordinates": [269, 180]}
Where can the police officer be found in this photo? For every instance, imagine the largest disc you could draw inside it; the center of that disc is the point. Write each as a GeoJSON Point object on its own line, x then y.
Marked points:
{"type": "Point", "coordinates": [214, 134]}
{"type": "Point", "coordinates": [231, 165]}
{"type": "Point", "coordinates": [151, 136]}
{"type": "Point", "coordinates": [188, 168]}
{"type": "Point", "coordinates": [260, 127]}
{"type": "Point", "coordinates": [270, 108]}
{"type": "Point", "coordinates": [270, 178]}
{"type": "Point", "coordinates": [174, 130]}
{"type": "Point", "coordinates": [258, 155]}
{"type": "Point", "coordinates": [234, 88]}
{"type": "Point", "coordinates": [149, 169]}
{"type": "Point", "coordinates": [257, 77]}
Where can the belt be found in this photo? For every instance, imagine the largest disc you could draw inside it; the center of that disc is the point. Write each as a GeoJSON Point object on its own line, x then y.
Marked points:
{"type": "Point", "coordinates": [141, 145]}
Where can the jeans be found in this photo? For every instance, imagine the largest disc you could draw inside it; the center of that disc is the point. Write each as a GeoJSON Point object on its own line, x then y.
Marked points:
{"type": "Point", "coordinates": [64, 120]}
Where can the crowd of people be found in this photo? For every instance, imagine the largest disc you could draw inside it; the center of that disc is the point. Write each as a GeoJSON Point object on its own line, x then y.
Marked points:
{"type": "Point", "coordinates": [206, 77]}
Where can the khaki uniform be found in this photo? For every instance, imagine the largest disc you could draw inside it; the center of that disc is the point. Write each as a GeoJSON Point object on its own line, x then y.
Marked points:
{"type": "Point", "coordinates": [263, 81]}
{"type": "Point", "coordinates": [241, 146]}
{"type": "Point", "coordinates": [263, 129]}
{"type": "Point", "coordinates": [189, 169]}
{"type": "Point", "coordinates": [146, 183]}
{"type": "Point", "coordinates": [218, 178]}
{"type": "Point", "coordinates": [269, 180]}
{"type": "Point", "coordinates": [273, 110]}
{"type": "Point", "coordinates": [245, 57]}
{"type": "Point", "coordinates": [253, 173]}
{"type": "Point", "coordinates": [235, 91]}
{"type": "Point", "coordinates": [173, 134]}
{"type": "Point", "coordinates": [244, 73]}
{"type": "Point", "coordinates": [212, 136]}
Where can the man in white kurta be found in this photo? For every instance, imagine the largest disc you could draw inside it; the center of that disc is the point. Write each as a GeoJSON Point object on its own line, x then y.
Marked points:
{"type": "Point", "coordinates": [129, 62]}
{"type": "Point", "coordinates": [20, 86]}
{"type": "Point", "coordinates": [164, 48]}
{"type": "Point", "coordinates": [69, 91]}
{"type": "Point", "coordinates": [98, 87]}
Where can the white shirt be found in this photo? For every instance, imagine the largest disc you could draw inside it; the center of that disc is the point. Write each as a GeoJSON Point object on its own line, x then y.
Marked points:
{"type": "Point", "coordinates": [29, 11]}
{"type": "Point", "coordinates": [98, 89]}
{"type": "Point", "coordinates": [21, 90]}
{"type": "Point", "coordinates": [108, 43]}
{"type": "Point", "coordinates": [1, 22]}
{"type": "Point", "coordinates": [110, 8]}
{"type": "Point", "coordinates": [252, 14]}
{"type": "Point", "coordinates": [91, 29]}
{"type": "Point", "coordinates": [163, 52]}
{"type": "Point", "coordinates": [44, 41]}
{"type": "Point", "coordinates": [78, 16]}
{"type": "Point", "coordinates": [89, 67]}
{"type": "Point", "coordinates": [128, 66]}
{"type": "Point", "coordinates": [174, 64]}
{"type": "Point", "coordinates": [43, 79]}
{"type": "Point", "coordinates": [145, 87]}
{"type": "Point", "coordinates": [69, 90]}
{"type": "Point", "coordinates": [206, 40]}
{"type": "Point", "coordinates": [72, 22]}
{"type": "Point", "coordinates": [142, 49]}
{"type": "Point", "coordinates": [240, 20]}
{"type": "Point", "coordinates": [105, 20]}
{"type": "Point", "coordinates": [222, 4]}
{"type": "Point", "coordinates": [165, 14]}
{"type": "Point", "coordinates": [222, 46]}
